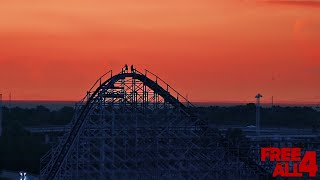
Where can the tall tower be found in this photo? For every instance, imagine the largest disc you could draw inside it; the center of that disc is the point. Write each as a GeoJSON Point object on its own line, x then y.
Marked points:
{"type": "Point", "coordinates": [258, 96]}
{"type": "Point", "coordinates": [0, 115]}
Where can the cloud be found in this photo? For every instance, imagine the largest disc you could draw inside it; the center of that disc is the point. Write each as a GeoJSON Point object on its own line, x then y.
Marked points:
{"type": "Point", "coordinates": [307, 3]}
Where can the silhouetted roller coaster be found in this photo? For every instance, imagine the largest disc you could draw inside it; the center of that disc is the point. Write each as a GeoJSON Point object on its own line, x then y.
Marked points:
{"type": "Point", "coordinates": [134, 125]}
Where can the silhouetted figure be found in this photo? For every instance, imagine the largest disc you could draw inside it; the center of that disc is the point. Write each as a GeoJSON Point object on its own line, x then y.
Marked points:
{"type": "Point", "coordinates": [124, 69]}
{"type": "Point", "coordinates": [132, 69]}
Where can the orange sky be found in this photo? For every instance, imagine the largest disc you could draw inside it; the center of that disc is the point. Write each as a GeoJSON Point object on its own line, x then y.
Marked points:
{"type": "Point", "coordinates": [223, 50]}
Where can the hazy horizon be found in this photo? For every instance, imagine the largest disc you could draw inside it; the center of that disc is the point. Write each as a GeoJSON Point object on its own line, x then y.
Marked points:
{"type": "Point", "coordinates": [59, 104]}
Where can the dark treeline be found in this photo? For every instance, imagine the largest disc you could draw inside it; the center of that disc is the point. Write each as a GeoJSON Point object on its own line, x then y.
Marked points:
{"type": "Point", "coordinates": [279, 117]}
{"type": "Point", "coordinates": [21, 150]}
{"type": "Point", "coordinates": [244, 115]}
{"type": "Point", "coordinates": [39, 116]}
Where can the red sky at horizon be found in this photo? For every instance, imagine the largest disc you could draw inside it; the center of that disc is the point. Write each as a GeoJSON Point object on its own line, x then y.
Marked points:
{"type": "Point", "coordinates": [211, 50]}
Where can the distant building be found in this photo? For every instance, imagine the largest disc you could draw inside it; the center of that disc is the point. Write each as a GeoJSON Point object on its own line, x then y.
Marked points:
{"type": "Point", "coordinates": [317, 108]}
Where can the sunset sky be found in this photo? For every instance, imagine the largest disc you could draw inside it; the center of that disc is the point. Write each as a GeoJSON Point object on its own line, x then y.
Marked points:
{"type": "Point", "coordinates": [212, 50]}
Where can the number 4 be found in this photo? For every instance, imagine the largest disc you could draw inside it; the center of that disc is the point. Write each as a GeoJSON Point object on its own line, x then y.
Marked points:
{"type": "Point", "coordinates": [309, 164]}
